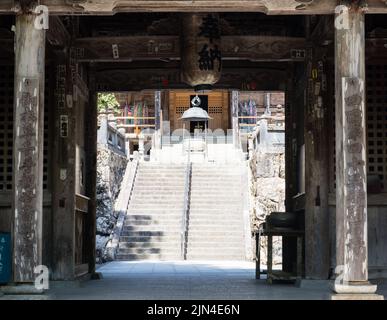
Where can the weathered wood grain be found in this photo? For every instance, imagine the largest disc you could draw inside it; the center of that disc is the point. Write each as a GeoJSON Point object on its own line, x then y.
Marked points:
{"type": "Point", "coordinates": [351, 192]}
{"type": "Point", "coordinates": [28, 147]}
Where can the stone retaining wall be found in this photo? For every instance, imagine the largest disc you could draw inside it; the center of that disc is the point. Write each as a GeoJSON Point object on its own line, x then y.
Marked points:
{"type": "Point", "coordinates": [111, 168]}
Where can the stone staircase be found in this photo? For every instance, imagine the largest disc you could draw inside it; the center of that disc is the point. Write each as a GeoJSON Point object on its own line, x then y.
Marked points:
{"type": "Point", "coordinates": [216, 220]}
{"type": "Point", "coordinates": [152, 225]}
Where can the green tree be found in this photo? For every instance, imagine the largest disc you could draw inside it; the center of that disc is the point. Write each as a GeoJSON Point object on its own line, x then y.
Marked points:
{"type": "Point", "coordinates": [107, 100]}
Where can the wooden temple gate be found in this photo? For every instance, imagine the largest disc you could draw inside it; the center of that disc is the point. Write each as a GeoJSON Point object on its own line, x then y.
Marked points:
{"type": "Point", "coordinates": [51, 179]}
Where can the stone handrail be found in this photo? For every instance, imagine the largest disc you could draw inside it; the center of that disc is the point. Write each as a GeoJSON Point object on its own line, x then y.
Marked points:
{"type": "Point", "coordinates": [110, 136]}
{"type": "Point", "coordinates": [185, 217]}
{"type": "Point", "coordinates": [121, 206]}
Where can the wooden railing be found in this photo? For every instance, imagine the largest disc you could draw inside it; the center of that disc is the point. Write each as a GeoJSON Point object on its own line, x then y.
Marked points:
{"type": "Point", "coordinates": [271, 120]}
{"type": "Point", "coordinates": [137, 123]}
{"type": "Point", "coordinates": [241, 124]}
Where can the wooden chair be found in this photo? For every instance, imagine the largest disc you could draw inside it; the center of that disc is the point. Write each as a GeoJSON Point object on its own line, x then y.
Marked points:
{"type": "Point", "coordinates": [269, 230]}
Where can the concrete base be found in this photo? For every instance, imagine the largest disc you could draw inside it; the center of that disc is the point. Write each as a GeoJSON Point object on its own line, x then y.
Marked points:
{"type": "Point", "coordinates": [356, 297]}
{"type": "Point", "coordinates": [354, 288]}
{"type": "Point", "coordinates": [20, 289]}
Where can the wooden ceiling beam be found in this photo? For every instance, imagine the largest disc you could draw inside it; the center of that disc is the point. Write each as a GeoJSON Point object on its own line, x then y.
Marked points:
{"type": "Point", "coordinates": [129, 48]}
{"type": "Point", "coordinates": [271, 7]}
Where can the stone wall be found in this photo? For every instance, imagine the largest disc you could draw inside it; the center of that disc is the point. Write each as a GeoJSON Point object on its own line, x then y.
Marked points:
{"type": "Point", "coordinates": [267, 191]}
{"type": "Point", "coordinates": [111, 168]}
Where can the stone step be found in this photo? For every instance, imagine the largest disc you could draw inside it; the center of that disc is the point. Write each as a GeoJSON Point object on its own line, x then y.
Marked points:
{"type": "Point", "coordinates": [208, 221]}
{"type": "Point", "coordinates": [171, 205]}
{"type": "Point", "coordinates": [217, 246]}
{"type": "Point", "coordinates": [216, 178]}
{"type": "Point", "coordinates": [216, 207]}
{"type": "Point", "coordinates": [162, 173]}
{"type": "Point", "coordinates": [148, 233]}
{"type": "Point", "coordinates": [204, 256]}
{"type": "Point", "coordinates": [144, 201]}
{"type": "Point", "coordinates": [209, 203]}
{"type": "Point", "coordinates": [210, 187]}
{"type": "Point", "coordinates": [216, 251]}
{"type": "Point", "coordinates": [158, 193]}
{"type": "Point", "coordinates": [220, 195]}
{"type": "Point", "coordinates": [163, 244]}
{"type": "Point", "coordinates": [214, 233]}
{"type": "Point", "coordinates": [150, 216]}
{"type": "Point", "coordinates": [206, 228]}
{"type": "Point", "coordinates": [216, 213]}
{"type": "Point", "coordinates": [160, 222]}
{"type": "Point", "coordinates": [160, 257]}
{"type": "Point", "coordinates": [139, 209]}
{"type": "Point", "coordinates": [152, 228]}
{"type": "Point", "coordinates": [166, 166]}
{"type": "Point", "coordinates": [162, 189]}
{"type": "Point", "coordinates": [176, 198]}
{"type": "Point", "coordinates": [158, 218]}
{"type": "Point", "coordinates": [154, 250]}
{"type": "Point", "coordinates": [217, 210]}
{"type": "Point", "coordinates": [219, 238]}
{"type": "Point", "coordinates": [159, 182]}
{"type": "Point", "coordinates": [156, 206]}
{"type": "Point", "coordinates": [166, 238]}
{"type": "Point", "coordinates": [146, 208]}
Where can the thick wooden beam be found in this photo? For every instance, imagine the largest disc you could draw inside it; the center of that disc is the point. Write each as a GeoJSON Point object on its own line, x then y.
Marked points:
{"type": "Point", "coordinates": [28, 147]}
{"type": "Point", "coordinates": [123, 79]}
{"type": "Point", "coordinates": [272, 7]}
{"type": "Point", "coordinates": [128, 48]}
{"type": "Point", "coordinates": [351, 176]}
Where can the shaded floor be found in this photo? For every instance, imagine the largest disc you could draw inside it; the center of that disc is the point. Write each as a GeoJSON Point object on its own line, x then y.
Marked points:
{"type": "Point", "coordinates": [185, 280]}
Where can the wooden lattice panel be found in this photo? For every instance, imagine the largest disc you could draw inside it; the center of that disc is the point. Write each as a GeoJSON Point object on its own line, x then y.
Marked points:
{"type": "Point", "coordinates": [377, 120]}
{"type": "Point", "coordinates": [218, 108]}
{"type": "Point", "coordinates": [6, 128]}
{"type": "Point", "coordinates": [376, 85]}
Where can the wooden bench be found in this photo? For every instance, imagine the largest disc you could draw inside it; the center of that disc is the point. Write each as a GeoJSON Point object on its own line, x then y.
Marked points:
{"type": "Point", "coordinates": [278, 275]}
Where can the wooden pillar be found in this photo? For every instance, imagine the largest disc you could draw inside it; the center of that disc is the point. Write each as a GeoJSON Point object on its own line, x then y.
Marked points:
{"type": "Point", "coordinates": [292, 123]}
{"type": "Point", "coordinates": [351, 174]}
{"type": "Point", "coordinates": [317, 261]}
{"type": "Point", "coordinates": [63, 199]}
{"type": "Point", "coordinates": [28, 146]}
{"type": "Point", "coordinates": [91, 124]}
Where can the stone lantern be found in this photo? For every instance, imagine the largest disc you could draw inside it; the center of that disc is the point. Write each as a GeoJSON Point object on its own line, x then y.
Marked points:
{"type": "Point", "coordinates": [201, 58]}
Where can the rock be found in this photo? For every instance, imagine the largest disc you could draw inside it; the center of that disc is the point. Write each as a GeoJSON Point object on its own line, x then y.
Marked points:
{"type": "Point", "coordinates": [267, 192]}
{"type": "Point", "coordinates": [111, 168]}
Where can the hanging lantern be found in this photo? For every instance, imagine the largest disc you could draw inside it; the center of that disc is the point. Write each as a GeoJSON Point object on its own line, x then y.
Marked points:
{"type": "Point", "coordinates": [201, 58]}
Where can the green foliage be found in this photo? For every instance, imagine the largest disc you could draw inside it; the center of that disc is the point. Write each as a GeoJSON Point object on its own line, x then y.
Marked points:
{"type": "Point", "coordinates": [107, 100]}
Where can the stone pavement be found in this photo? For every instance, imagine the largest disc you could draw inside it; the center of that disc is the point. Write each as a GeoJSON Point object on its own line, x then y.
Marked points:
{"type": "Point", "coordinates": [184, 280]}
